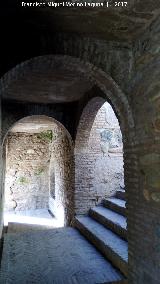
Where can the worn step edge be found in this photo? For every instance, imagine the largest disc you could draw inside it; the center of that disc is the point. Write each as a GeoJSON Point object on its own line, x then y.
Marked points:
{"type": "Point", "coordinates": [121, 194]}
{"type": "Point", "coordinates": [109, 203]}
{"type": "Point", "coordinates": [108, 223]}
{"type": "Point", "coordinates": [107, 251]}
{"type": "Point", "coordinates": [123, 281]}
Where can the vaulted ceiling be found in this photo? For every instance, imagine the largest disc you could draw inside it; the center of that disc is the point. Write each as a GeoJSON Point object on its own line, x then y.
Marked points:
{"type": "Point", "coordinates": [25, 28]}
{"type": "Point", "coordinates": [54, 86]}
{"type": "Point", "coordinates": [112, 22]}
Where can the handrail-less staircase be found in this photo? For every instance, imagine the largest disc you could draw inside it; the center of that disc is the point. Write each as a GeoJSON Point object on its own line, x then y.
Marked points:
{"type": "Point", "coordinates": [106, 228]}
{"type": "Point", "coordinates": [37, 254]}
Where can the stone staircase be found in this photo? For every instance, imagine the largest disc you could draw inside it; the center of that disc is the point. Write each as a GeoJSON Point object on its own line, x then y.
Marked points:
{"type": "Point", "coordinates": [106, 228]}
{"type": "Point", "coordinates": [40, 254]}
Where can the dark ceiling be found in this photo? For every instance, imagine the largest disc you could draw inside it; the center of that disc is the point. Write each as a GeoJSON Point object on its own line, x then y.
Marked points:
{"type": "Point", "coordinates": [24, 31]}
{"type": "Point", "coordinates": [112, 23]}
{"type": "Point", "coordinates": [48, 86]}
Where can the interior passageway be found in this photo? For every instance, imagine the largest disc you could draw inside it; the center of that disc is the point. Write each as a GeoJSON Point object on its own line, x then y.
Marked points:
{"type": "Point", "coordinates": [46, 172]}
{"type": "Point", "coordinates": [101, 219]}
{"type": "Point", "coordinates": [32, 193]}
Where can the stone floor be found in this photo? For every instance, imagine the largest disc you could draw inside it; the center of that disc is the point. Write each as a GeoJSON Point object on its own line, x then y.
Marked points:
{"type": "Point", "coordinates": [38, 216]}
{"type": "Point", "coordinates": [55, 256]}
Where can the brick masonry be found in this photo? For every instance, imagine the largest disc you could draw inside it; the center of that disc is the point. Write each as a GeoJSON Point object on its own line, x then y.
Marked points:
{"type": "Point", "coordinates": [135, 68]}
{"type": "Point", "coordinates": [98, 159]}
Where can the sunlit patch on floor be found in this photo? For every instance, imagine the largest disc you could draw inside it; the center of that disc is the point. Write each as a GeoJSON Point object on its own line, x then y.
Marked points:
{"type": "Point", "coordinates": [35, 217]}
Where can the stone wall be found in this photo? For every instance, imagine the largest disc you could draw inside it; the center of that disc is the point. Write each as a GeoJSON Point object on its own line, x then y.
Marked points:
{"type": "Point", "coordinates": [143, 170]}
{"type": "Point", "coordinates": [105, 144]}
{"type": "Point", "coordinates": [40, 163]}
{"type": "Point", "coordinates": [27, 172]}
{"type": "Point", "coordinates": [139, 119]}
{"type": "Point", "coordinates": [62, 205]}
{"type": "Point", "coordinates": [99, 170]}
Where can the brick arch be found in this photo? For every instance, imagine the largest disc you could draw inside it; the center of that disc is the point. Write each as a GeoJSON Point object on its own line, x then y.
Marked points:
{"type": "Point", "coordinates": [88, 71]}
{"type": "Point", "coordinates": [104, 83]}
{"type": "Point", "coordinates": [62, 156]}
{"type": "Point", "coordinates": [85, 193]}
{"type": "Point", "coordinates": [43, 117]}
{"type": "Point", "coordinates": [107, 90]}
{"type": "Point", "coordinates": [85, 124]}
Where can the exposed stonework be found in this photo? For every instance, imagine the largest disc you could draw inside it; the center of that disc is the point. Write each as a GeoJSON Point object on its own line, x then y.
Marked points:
{"type": "Point", "coordinates": [57, 63]}
{"type": "Point", "coordinates": [99, 160]}
{"type": "Point", "coordinates": [114, 58]}
{"type": "Point", "coordinates": [105, 144]}
{"type": "Point", "coordinates": [27, 172]}
{"type": "Point", "coordinates": [33, 160]}
{"type": "Point", "coordinates": [143, 174]}
{"type": "Point", "coordinates": [124, 43]}
{"type": "Point", "coordinates": [62, 157]}
{"type": "Point", "coordinates": [138, 113]}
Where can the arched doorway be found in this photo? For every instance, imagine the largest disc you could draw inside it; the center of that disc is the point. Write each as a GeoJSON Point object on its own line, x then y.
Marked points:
{"type": "Point", "coordinates": [100, 199]}
{"type": "Point", "coordinates": [99, 169]}
{"type": "Point", "coordinates": [38, 151]}
{"type": "Point", "coordinates": [94, 82]}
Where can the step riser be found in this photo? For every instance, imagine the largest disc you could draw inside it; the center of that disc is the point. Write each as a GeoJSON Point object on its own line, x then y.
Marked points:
{"type": "Point", "coordinates": [109, 224]}
{"type": "Point", "coordinates": [118, 282]}
{"type": "Point", "coordinates": [121, 195]}
{"type": "Point", "coordinates": [116, 260]}
{"type": "Point", "coordinates": [115, 207]}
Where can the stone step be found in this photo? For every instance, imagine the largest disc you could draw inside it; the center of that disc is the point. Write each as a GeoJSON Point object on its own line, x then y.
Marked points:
{"type": "Point", "coordinates": [111, 246]}
{"type": "Point", "coordinates": [121, 194]}
{"type": "Point", "coordinates": [60, 255]}
{"type": "Point", "coordinates": [111, 220]}
{"type": "Point", "coordinates": [125, 281]}
{"type": "Point", "coordinates": [115, 204]}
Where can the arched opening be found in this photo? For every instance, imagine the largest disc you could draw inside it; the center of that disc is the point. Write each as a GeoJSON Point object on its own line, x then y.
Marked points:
{"type": "Point", "coordinates": [94, 88]}
{"type": "Point", "coordinates": [37, 149]}
{"type": "Point", "coordinates": [105, 150]}
{"type": "Point", "coordinates": [99, 161]}
{"type": "Point", "coordinates": [100, 199]}
{"type": "Point", "coordinates": [106, 146]}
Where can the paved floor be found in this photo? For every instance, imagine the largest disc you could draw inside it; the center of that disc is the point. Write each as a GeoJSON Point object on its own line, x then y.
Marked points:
{"type": "Point", "coordinates": [38, 216]}
{"type": "Point", "coordinates": [58, 256]}
{"type": "Point", "coordinates": [14, 227]}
